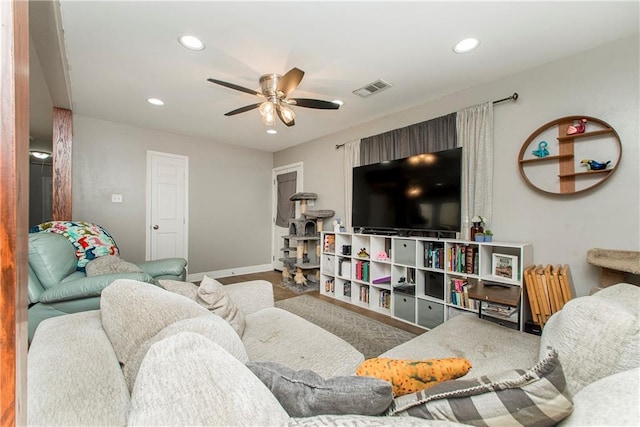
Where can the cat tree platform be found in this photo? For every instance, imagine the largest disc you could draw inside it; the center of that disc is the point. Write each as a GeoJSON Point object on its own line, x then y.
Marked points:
{"type": "Point", "coordinates": [614, 264]}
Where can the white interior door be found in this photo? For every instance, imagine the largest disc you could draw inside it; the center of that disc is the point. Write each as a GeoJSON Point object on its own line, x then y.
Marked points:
{"type": "Point", "coordinates": [278, 231]}
{"type": "Point", "coordinates": [167, 205]}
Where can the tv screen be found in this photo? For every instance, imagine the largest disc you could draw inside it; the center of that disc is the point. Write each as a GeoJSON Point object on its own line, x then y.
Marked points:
{"type": "Point", "coordinates": [421, 192]}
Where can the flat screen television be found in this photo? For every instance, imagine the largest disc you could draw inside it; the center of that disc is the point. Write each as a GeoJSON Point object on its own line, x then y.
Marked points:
{"type": "Point", "coordinates": [421, 192]}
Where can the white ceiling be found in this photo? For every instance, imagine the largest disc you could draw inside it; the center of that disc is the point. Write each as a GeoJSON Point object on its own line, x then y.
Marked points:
{"type": "Point", "coordinates": [121, 53]}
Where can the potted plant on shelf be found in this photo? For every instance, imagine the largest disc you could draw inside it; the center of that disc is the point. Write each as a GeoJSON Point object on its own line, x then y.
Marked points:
{"type": "Point", "coordinates": [479, 237]}
{"type": "Point", "coordinates": [488, 235]}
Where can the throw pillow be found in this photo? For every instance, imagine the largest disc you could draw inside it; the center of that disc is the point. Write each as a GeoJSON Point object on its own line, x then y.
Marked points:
{"type": "Point", "coordinates": [209, 326]}
{"type": "Point", "coordinates": [304, 393]}
{"type": "Point", "coordinates": [132, 312]}
{"type": "Point", "coordinates": [187, 289]}
{"type": "Point", "coordinates": [212, 296]}
{"type": "Point", "coordinates": [188, 380]}
{"type": "Point", "coordinates": [409, 376]}
{"type": "Point", "coordinates": [537, 397]}
{"type": "Point", "coordinates": [110, 264]}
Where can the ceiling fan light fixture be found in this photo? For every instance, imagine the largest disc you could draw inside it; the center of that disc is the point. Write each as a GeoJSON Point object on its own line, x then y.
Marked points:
{"type": "Point", "coordinates": [267, 111]}
{"type": "Point", "coordinates": [191, 42]}
{"type": "Point", "coordinates": [287, 114]}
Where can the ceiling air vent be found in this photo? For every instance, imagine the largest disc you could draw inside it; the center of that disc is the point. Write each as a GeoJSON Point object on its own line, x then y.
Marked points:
{"type": "Point", "coordinates": [371, 88]}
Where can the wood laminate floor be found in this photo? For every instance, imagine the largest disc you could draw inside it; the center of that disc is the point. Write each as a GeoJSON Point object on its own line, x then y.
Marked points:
{"type": "Point", "coordinates": [280, 293]}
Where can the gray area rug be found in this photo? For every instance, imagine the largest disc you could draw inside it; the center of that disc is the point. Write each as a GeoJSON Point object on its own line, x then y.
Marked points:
{"type": "Point", "coordinates": [369, 336]}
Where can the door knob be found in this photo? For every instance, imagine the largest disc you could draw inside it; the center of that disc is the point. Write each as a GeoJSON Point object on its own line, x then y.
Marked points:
{"type": "Point", "coordinates": [155, 227]}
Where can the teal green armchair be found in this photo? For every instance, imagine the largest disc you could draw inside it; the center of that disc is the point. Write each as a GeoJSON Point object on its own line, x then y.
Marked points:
{"type": "Point", "coordinates": [56, 287]}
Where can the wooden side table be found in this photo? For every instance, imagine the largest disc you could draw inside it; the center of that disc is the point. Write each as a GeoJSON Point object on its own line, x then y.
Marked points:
{"type": "Point", "coordinates": [498, 294]}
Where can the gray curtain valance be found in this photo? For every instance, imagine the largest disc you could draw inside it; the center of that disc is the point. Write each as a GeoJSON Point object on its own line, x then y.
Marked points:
{"type": "Point", "coordinates": [432, 135]}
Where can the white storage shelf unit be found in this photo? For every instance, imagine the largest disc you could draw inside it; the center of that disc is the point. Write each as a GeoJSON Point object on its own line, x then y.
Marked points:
{"type": "Point", "coordinates": [366, 270]}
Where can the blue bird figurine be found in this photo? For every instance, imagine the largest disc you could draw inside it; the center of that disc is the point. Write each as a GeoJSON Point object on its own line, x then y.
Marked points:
{"type": "Point", "coordinates": [592, 165]}
{"type": "Point", "coordinates": [542, 150]}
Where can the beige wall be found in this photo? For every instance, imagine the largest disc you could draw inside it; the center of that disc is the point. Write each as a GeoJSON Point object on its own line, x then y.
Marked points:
{"type": "Point", "coordinates": [601, 83]}
{"type": "Point", "coordinates": [229, 189]}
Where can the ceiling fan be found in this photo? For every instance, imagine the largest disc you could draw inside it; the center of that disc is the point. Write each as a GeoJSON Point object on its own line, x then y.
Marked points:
{"type": "Point", "coordinates": [275, 89]}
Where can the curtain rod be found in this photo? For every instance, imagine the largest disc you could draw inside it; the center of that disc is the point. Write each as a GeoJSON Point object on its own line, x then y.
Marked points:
{"type": "Point", "coordinates": [513, 98]}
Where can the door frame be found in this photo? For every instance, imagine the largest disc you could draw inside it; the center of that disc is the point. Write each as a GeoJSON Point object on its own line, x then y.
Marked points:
{"type": "Point", "coordinates": [299, 167]}
{"type": "Point", "coordinates": [148, 224]}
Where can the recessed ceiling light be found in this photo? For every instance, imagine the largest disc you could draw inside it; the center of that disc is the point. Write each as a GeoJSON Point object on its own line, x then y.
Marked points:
{"type": "Point", "coordinates": [155, 101]}
{"type": "Point", "coordinates": [466, 45]}
{"type": "Point", "coordinates": [191, 42]}
{"type": "Point", "coordinates": [272, 131]}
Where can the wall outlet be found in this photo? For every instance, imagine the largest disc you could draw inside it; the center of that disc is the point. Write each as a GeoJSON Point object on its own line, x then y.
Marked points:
{"type": "Point", "coordinates": [116, 198]}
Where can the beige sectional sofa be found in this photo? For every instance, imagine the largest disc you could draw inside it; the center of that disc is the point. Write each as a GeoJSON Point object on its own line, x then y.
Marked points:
{"type": "Point", "coordinates": [153, 357]}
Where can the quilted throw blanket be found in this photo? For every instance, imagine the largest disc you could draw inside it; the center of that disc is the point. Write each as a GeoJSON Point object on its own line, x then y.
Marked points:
{"type": "Point", "coordinates": [90, 240]}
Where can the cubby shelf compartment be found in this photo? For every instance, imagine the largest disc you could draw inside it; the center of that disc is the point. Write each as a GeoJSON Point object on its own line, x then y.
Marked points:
{"type": "Point", "coordinates": [425, 298]}
{"type": "Point", "coordinates": [564, 154]}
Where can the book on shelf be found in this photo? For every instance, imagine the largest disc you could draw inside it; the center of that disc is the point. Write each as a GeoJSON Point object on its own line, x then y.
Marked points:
{"type": "Point", "coordinates": [498, 310]}
{"type": "Point", "coordinates": [364, 293]}
{"type": "Point", "coordinates": [329, 285]}
{"type": "Point", "coordinates": [463, 258]}
{"type": "Point", "coordinates": [329, 243]}
{"type": "Point", "coordinates": [384, 299]}
{"type": "Point", "coordinates": [434, 255]}
{"type": "Point", "coordinates": [346, 289]}
{"type": "Point", "coordinates": [460, 294]}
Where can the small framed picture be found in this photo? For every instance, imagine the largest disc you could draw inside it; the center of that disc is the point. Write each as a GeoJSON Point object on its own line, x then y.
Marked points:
{"type": "Point", "coordinates": [505, 266]}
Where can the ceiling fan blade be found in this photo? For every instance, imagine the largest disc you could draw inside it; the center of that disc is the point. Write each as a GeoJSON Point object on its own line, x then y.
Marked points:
{"type": "Point", "coordinates": [290, 81]}
{"type": "Point", "coordinates": [314, 103]}
{"type": "Point", "coordinates": [290, 123]}
{"type": "Point", "coordinates": [234, 86]}
{"type": "Point", "coordinates": [243, 109]}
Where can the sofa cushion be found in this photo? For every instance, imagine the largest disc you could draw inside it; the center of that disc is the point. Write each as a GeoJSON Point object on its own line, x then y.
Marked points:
{"type": "Point", "coordinates": [596, 336]}
{"type": "Point", "coordinates": [133, 312]}
{"type": "Point", "coordinates": [186, 289]}
{"type": "Point", "coordinates": [534, 397]}
{"type": "Point", "coordinates": [486, 345]}
{"type": "Point", "coordinates": [409, 376]}
{"type": "Point", "coordinates": [74, 378]}
{"type": "Point", "coordinates": [304, 393]}
{"type": "Point", "coordinates": [276, 335]}
{"type": "Point", "coordinates": [110, 264]}
{"type": "Point", "coordinates": [612, 400]}
{"type": "Point", "coordinates": [366, 421]}
{"type": "Point", "coordinates": [187, 379]}
{"type": "Point", "coordinates": [210, 326]}
{"type": "Point", "coordinates": [211, 295]}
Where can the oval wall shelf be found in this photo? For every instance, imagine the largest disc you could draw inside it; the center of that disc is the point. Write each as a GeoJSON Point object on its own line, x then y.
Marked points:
{"type": "Point", "coordinates": [570, 175]}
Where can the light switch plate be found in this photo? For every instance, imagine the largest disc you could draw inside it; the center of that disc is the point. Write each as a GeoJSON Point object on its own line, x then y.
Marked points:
{"type": "Point", "coordinates": [116, 198]}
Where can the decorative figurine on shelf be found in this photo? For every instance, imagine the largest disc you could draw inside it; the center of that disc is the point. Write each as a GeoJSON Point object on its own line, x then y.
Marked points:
{"type": "Point", "coordinates": [363, 253]}
{"type": "Point", "coordinates": [579, 128]}
{"type": "Point", "coordinates": [337, 225]}
{"type": "Point", "coordinates": [478, 226]}
{"type": "Point", "coordinates": [592, 165]}
{"type": "Point", "coordinates": [382, 256]}
{"type": "Point", "coordinates": [542, 150]}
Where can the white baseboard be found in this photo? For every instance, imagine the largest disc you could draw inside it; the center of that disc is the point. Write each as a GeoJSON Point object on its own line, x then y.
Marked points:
{"type": "Point", "coordinates": [196, 277]}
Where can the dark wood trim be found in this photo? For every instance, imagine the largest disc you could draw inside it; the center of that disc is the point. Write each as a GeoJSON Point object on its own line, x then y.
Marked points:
{"type": "Point", "coordinates": [62, 150]}
{"type": "Point", "coordinates": [14, 209]}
